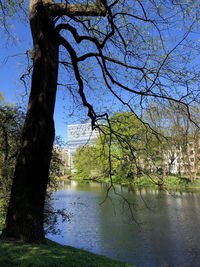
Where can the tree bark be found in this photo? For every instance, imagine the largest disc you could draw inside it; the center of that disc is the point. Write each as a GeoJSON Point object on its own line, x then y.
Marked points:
{"type": "Point", "coordinates": [24, 219]}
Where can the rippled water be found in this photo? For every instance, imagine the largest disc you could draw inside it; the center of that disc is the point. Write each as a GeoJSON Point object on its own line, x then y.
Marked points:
{"type": "Point", "coordinates": [167, 232]}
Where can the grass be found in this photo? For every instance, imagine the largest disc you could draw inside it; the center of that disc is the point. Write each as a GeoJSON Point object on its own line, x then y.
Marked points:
{"type": "Point", "coordinates": [171, 182]}
{"type": "Point", "coordinates": [51, 255]}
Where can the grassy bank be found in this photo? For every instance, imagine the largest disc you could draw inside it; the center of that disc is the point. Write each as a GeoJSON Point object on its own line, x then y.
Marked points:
{"type": "Point", "coordinates": [50, 255]}
{"type": "Point", "coordinates": [171, 182]}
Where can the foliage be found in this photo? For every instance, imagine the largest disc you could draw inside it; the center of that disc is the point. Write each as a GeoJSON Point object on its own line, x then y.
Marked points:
{"type": "Point", "coordinates": [87, 162]}
{"type": "Point", "coordinates": [135, 147]}
{"type": "Point", "coordinates": [11, 121]}
{"type": "Point", "coordinates": [121, 153]}
{"type": "Point", "coordinates": [50, 255]}
{"type": "Point", "coordinates": [11, 118]}
{"type": "Point", "coordinates": [127, 137]}
{"type": "Point", "coordinates": [11, 11]}
{"type": "Point", "coordinates": [59, 159]}
{"type": "Point", "coordinates": [127, 148]}
{"type": "Point", "coordinates": [181, 143]}
{"type": "Point", "coordinates": [172, 182]}
{"type": "Point", "coordinates": [1, 97]}
{"type": "Point", "coordinates": [55, 167]}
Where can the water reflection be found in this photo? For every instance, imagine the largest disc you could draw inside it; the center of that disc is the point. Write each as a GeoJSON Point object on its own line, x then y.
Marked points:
{"type": "Point", "coordinates": [167, 232]}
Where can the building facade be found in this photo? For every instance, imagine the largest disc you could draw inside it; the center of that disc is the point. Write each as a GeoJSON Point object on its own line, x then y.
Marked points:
{"type": "Point", "coordinates": [62, 153]}
{"type": "Point", "coordinates": [184, 160]}
{"type": "Point", "coordinates": [79, 135]}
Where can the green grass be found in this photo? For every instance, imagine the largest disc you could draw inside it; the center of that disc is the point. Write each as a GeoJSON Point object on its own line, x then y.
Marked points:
{"type": "Point", "coordinates": [50, 255]}
{"type": "Point", "coordinates": [171, 182]}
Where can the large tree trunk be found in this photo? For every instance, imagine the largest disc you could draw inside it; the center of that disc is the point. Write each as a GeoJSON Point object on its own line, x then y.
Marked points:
{"type": "Point", "coordinates": [24, 219]}
{"type": "Point", "coordinates": [25, 212]}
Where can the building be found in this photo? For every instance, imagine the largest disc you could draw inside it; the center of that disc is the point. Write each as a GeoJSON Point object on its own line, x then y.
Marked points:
{"type": "Point", "coordinates": [184, 160]}
{"type": "Point", "coordinates": [181, 159]}
{"type": "Point", "coordinates": [79, 135]}
{"type": "Point", "coordinates": [62, 153]}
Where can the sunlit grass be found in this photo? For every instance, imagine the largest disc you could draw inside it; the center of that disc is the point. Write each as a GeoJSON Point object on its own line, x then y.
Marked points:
{"type": "Point", "coordinates": [172, 182]}
{"type": "Point", "coordinates": [50, 254]}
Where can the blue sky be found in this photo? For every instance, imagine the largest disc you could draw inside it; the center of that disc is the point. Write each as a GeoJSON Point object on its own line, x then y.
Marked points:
{"type": "Point", "coordinates": [13, 62]}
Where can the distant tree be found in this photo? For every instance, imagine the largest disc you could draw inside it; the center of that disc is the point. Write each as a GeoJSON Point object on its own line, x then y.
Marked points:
{"type": "Point", "coordinates": [87, 162]}
{"type": "Point", "coordinates": [134, 150]}
{"type": "Point", "coordinates": [1, 97]}
{"type": "Point", "coordinates": [127, 144]}
{"type": "Point", "coordinates": [181, 136]}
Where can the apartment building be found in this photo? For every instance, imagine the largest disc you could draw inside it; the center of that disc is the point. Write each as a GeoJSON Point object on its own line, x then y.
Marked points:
{"type": "Point", "coordinates": [183, 159]}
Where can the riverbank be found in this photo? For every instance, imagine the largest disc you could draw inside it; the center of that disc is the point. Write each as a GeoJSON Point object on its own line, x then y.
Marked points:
{"type": "Point", "coordinates": [50, 255]}
{"type": "Point", "coordinates": [156, 182]}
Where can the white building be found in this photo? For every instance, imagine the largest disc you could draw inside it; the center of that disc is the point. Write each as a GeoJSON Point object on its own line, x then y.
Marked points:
{"type": "Point", "coordinates": [183, 160]}
{"type": "Point", "coordinates": [79, 135]}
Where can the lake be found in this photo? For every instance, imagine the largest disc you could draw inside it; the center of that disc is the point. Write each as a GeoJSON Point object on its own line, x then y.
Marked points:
{"type": "Point", "coordinates": [163, 230]}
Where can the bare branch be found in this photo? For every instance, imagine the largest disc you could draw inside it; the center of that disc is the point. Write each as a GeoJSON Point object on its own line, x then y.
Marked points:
{"type": "Point", "coordinates": [71, 51]}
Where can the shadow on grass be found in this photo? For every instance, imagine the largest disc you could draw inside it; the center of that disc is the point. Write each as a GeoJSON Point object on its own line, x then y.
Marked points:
{"type": "Point", "coordinates": [51, 254]}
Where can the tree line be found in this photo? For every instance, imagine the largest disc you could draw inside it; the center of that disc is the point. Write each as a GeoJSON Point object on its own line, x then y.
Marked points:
{"type": "Point", "coordinates": [168, 145]}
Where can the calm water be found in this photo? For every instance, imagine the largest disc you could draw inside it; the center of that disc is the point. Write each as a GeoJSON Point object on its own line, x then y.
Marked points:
{"type": "Point", "coordinates": [167, 232]}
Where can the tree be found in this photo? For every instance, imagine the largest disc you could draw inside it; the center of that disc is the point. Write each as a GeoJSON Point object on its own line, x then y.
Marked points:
{"type": "Point", "coordinates": [25, 213]}
{"type": "Point", "coordinates": [1, 97]}
{"type": "Point", "coordinates": [181, 142]}
{"type": "Point", "coordinates": [11, 122]}
{"type": "Point", "coordinates": [127, 144]}
{"type": "Point", "coordinates": [10, 126]}
{"type": "Point", "coordinates": [129, 55]}
{"type": "Point", "coordinates": [134, 150]}
{"type": "Point", "coordinates": [87, 162]}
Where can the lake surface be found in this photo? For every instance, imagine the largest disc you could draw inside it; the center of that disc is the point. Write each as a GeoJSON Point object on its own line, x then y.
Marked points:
{"type": "Point", "coordinates": [164, 229]}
